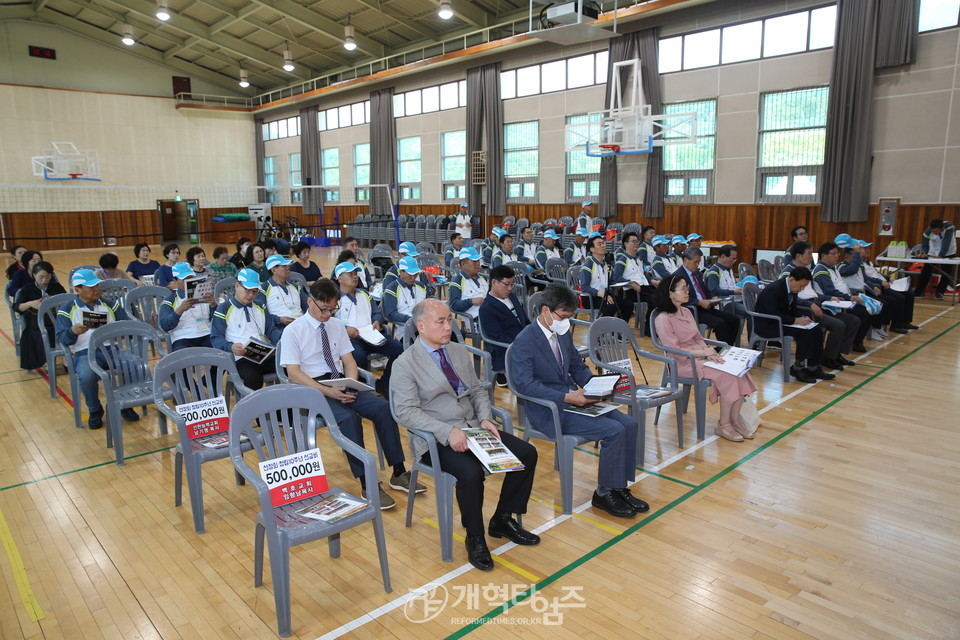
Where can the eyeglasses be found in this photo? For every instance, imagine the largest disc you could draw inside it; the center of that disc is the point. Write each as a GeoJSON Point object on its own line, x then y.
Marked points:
{"type": "Point", "coordinates": [325, 309]}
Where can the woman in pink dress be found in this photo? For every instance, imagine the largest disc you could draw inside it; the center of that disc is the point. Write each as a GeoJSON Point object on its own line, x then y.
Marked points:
{"type": "Point", "coordinates": [677, 329]}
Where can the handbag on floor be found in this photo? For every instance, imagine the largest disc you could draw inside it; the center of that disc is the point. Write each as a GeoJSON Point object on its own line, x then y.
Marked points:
{"type": "Point", "coordinates": [749, 416]}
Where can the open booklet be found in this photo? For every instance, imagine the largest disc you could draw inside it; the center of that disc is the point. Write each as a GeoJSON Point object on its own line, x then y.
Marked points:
{"type": "Point", "coordinates": [809, 325]}
{"type": "Point", "coordinates": [371, 336]}
{"type": "Point", "coordinates": [901, 284]}
{"type": "Point", "coordinates": [838, 304]}
{"type": "Point", "coordinates": [199, 287]}
{"type": "Point", "coordinates": [736, 361]}
{"type": "Point", "coordinates": [346, 383]}
{"type": "Point", "coordinates": [93, 319]}
{"type": "Point", "coordinates": [492, 454]}
{"type": "Point", "coordinates": [600, 386]}
{"type": "Point", "coordinates": [592, 410]}
{"type": "Point", "coordinates": [332, 509]}
{"type": "Point", "coordinates": [257, 351]}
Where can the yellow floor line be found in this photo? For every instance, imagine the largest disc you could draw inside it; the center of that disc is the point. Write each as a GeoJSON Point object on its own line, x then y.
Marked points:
{"type": "Point", "coordinates": [498, 559]}
{"type": "Point", "coordinates": [19, 572]}
{"type": "Point", "coordinates": [595, 523]}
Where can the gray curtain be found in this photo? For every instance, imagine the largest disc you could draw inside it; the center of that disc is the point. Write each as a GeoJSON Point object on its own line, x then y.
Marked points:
{"type": "Point", "coordinates": [649, 61]}
{"type": "Point", "coordinates": [260, 154]}
{"type": "Point", "coordinates": [847, 158]}
{"type": "Point", "coordinates": [626, 47]}
{"type": "Point", "coordinates": [898, 31]}
{"type": "Point", "coordinates": [485, 131]}
{"type": "Point", "coordinates": [383, 149]}
{"type": "Point", "coordinates": [310, 159]}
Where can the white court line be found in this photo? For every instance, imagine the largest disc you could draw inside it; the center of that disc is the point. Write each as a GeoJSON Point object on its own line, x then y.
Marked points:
{"type": "Point", "coordinates": [400, 601]}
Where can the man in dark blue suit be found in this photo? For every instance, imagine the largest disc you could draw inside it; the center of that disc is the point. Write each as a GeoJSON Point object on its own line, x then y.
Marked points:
{"type": "Point", "coordinates": [545, 364]}
{"type": "Point", "coordinates": [502, 316]}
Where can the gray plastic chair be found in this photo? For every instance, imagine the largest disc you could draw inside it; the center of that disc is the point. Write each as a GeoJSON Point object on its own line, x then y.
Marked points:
{"type": "Point", "coordinates": [127, 379]}
{"type": "Point", "coordinates": [48, 311]}
{"type": "Point", "coordinates": [425, 246]}
{"type": "Point", "coordinates": [16, 323]}
{"type": "Point", "coordinates": [698, 384]}
{"type": "Point", "coordinates": [564, 443]}
{"type": "Point", "coordinates": [299, 280]}
{"type": "Point", "coordinates": [143, 304]}
{"type": "Point", "coordinates": [766, 271]}
{"type": "Point", "coordinates": [556, 269]}
{"type": "Point", "coordinates": [779, 261]}
{"type": "Point", "coordinates": [224, 289]}
{"type": "Point", "coordinates": [756, 341]}
{"type": "Point", "coordinates": [573, 283]}
{"type": "Point", "coordinates": [114, 289]}
{"type": "Point", "coordinates": [190, 375]}
{"type": "Point", "coordinates": [744, 270]}
{"type": "Point", "coordinates": [611, 340]}
{"type": "Point", "coordinates": [284, 420]}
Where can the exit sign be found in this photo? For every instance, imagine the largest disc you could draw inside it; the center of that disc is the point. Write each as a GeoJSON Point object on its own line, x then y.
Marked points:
{"type": "Point", "coordinates": [42, 52]}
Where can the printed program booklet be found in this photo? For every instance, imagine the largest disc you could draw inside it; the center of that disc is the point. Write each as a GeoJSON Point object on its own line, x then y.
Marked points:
{"type": "Point", "coordinates": [346, 383]}
{"type": "Point", "coordinates": [332, 509]}
{"type": "Point", "coordinates": [257, 351]}
{"type": "Point", "coordinates": [492, 454]}
{"type": "Point", "coordinates": [93, 319]}
{"type": "Point", "coordinates": [736, 361]}
{"type": "Point", "coordinates": [600, 386]}
{"type": "Point", "coordinates": [198, 288]}
{"type": "Point", "coordinates": [371, 336]}
{"type": "Point", "coordinates": [592, 410]}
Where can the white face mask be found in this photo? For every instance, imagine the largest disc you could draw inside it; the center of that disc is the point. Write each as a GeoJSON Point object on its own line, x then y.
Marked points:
{"type": "Point", "coordinates": [559, 327]}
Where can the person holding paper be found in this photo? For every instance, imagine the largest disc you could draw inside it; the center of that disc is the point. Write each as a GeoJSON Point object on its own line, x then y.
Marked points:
{"type": "Point", "coordinates": [873, 276]}
{"type": "Point", "coordinates": [302, 263]}
{"type": "Point", "coordinates": [545, 364]}
{"type": "Point", "coordinates": [780, 299]}
{"type": "Point", "coordinates": [435, 388]}
{"type": "Point", "coordinates": [27, 304]}
{"type": "Point", "coordinates": [73, 332]}
{"type": "Point", "coordinates": [677, 329]}
{"type": "Point", "coordinates": [241, 319]}
{"type": "Point", "coordinates": [143, 265]}
{"type": "Point", "coordinates": [406, 250]}
{"type": "Point", "coordinates": [595, 282]}
{"type": "Point", "coordinates": [502, 317]}
{"type": "Point", "coordinates": [364, 324]}
{"type": "Point", "coordinates": [315, 348]}
{"type": "Point", "coordinates": [164, 275]}
{"type": "Point", "coordinates": [725, 325]}
{"type": "Point", "coordinates": [468, 291]}
{"type": "Point", "coordinates": [853, 272]}
{"type": "Point", "coordinates": [285, 300]}
{"type": "Point", "coordinates": [187, 320]}
{"type": "Point", "coordinates": [830, 287]}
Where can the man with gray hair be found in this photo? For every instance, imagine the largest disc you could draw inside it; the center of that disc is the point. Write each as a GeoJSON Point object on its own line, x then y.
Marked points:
{"type": "Point", "coordinates": [725, 325]}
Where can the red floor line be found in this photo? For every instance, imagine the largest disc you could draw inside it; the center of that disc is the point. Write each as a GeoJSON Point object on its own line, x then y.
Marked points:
{"type": "Point", "coordinates": [42, 374]}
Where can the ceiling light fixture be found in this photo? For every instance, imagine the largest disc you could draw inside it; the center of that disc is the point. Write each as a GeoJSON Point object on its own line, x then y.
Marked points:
{"type": "Point", "coordinates": [163, 10]}
{"type": "Point", "coordinates": [128, 36]}
{"type": "Point", "coordinates": [349, 38]}
{"type": "Point", "coordinates": [287, 58]}
{"type": "Point", "coordinates": [445, 12]}
{"type": "Point", "coordinates": [244, 81]}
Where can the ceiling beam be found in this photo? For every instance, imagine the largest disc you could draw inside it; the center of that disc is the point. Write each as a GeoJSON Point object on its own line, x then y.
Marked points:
{"type": "Point", "coordinates": [317, 22]}
{"type": "Point", "coordinates": [17, 12]}
{"type": "Point", "coordinates": [405, 21]}
{"type": "Point", "coordinates": [470, 12]}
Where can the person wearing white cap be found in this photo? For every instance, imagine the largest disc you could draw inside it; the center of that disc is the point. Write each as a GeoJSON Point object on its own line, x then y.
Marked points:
{"type": "Point", "coordinates": [390, 277]}
{"type": "Point", "coordinates": [585, 217]}
{"type": "Point", "coordinates": [241, 319]}
{"type": "Point", "coordinates": [468, 291]}
{"type": "Point", "coordinates": [525, 251]}
{"type": "Point", "coordinates": [677, 245]}
{"type": "Point", "coordinates": [548, 250]}
{"type": "Point", "coordinates": [285, 300]}
{"type": "Point", "coordinates": [187, 320]}
{"type": "Point", "coordinates": [662, 265]}
{"type": "Point", "coordinates": [503, 252]}
{"type": "Point", "coordinates": [75, 321]}
{"type": "Point", "coordinates": [576, 253]}
{"type": "Point", "coordinates": [316, 348]}
{"type": "Point", "coordinates": [357, 312]}
{"type": "Point", "coordinates": [491, 243]}
{"type": "Point", "coordinates": [694, 240]}
{"type": "Point", "coordinates": [400, 299]}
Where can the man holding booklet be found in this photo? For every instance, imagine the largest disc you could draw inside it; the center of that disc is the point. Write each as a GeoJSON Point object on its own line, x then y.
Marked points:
{"type": "Point", "coordinates": [243, 326]}
{"type": "Point", "coordinates": [187, 318]}
{"type": "Point", "coordinates": [317, 352]}
{"type": "Point", "coordinates": [435, 388]}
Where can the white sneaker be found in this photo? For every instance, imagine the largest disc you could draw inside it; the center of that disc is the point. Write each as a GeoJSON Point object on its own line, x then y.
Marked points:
{"type": "Point", "coordinates": [883, 332]}
{"type": "Point", "coordinates": [874, 335]}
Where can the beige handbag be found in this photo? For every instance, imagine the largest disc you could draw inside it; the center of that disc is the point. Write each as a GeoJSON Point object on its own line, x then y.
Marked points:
{"type": "Point", "coordinates": [749, 416]}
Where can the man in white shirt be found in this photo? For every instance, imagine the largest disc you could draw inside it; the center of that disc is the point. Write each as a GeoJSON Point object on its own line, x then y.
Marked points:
{"type": "Point", "coordinates": [316, 348]}
{"type": "Point", "coordinates": [285, 300]}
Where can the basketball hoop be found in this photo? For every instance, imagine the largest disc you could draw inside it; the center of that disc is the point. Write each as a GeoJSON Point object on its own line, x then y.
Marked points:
{"type": "Point", "coordinates": [74, 176]}
{"type": "Point", "coordinates": [614, 148]}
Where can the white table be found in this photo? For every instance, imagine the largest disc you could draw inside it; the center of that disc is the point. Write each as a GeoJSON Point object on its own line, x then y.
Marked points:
{"type": "Point", "coordinates": [941, 265]}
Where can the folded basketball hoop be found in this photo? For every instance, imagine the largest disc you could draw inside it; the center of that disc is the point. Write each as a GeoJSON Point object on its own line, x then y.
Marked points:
{"type": "Point", "coordinates": [615, 148]}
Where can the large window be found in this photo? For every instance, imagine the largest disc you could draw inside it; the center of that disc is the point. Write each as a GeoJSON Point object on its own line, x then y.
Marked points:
{"type": "Point", "coordinates": [348, 115]}
{"type": "Point", "coordinates": [270, 178]}
{"type": "Point", "coordinates": [569, 73]}
{"type": "Point", "coordinates": [775, 36]}
{"type": "Point", "coordinates": [296, 177]}
{"type": "Point", "coordinates": [361, 171]}
{"type": "Point", "coordinates": [410, 169]}
{"type": "Point", "coordinates": [437, 98]}
{"type": "Point", "coordinates": [793, 128]}
{"type": "Point", "coordinates": [283, 128]}
{"type": "Point", "coordinates": [583, 171]}
{"type": "Point", "coordinates": [453, 165]}
{"type": "Point", "coordinates": [939, 14]}
{"type": "Point", "coordinates": [688, 168]}
{"type": "Point", "coordinates": [521, 149]}
{"type": "Point", "coordinates": [330, 169]}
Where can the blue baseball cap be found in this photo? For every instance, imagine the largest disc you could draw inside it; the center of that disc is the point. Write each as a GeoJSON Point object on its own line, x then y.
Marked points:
{"type": "Point", "coordinates": [409, 265]}
{"type": "Point", "coordinates": [468, 253]}
{"type": "Point", "coordinates": [844, 240]}
{"type": "Point", "coordinates": [182, 271]}
{"type": "Point", "coordinates": [345, 267]}
{"type": "Point", "coordinates": [747, 279]}
{"type": "Point", "coordinates": [655, 240]}
{"type": "Point", "coordinates": [595, 234]}
{"type": "Point", "coordinates": [84, 278]}
{"type": "Point", "coordinates": [678, 239]}
{"type": "Point", "coordinates": [277, 260]}
{"type": "Point", "coordinates": [550, 233]}
{"type": "Point", "coordinates": [408, 248]}
{"type": "Point", "coordinates": [863, 243]}
{"type": "Point", "coordinates": [497, 231]}
{"type": "Point", "coordinates": [694, 236]}
{"type": "Point", "coordinates": [248, 279]}
{"type": "Point", "coordinates": [581, 232]}
{"type": "Point", "coordinates": [464, 204]}
{"type": "Point", "coordinates": [586, 203]}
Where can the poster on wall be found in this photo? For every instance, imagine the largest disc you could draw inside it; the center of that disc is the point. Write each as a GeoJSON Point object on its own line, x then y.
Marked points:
{"type": "Point", "coordinates": [888, 215]}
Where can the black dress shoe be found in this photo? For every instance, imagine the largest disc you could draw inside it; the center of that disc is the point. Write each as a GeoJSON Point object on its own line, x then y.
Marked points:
{"type": "Point", "coordinates": [96, 420]}
{"type": "Point", "coordinates": [833, 364]}
{"type": "Point", "coordinates": [507, 527]}
{"type": "Point", "coordinates": [802, 375]}
{"type": "Point", "coordinates": [900, 330]}
{"type": "Point", "coordinates": [638, 505]}
{"type": "Point", "coordinates": [130, 415]}
{"type": "Point", "coordinates": [820, 374]}
{"type": "Point", "coordinates": [613, 504]}
{"type": "Point", "coordinates": [845, 362]}
{"type": "Point", "coordinates": [909, 325]}
{"type": "Point", "coordinates": [478, 554]}
{"type": "Point", "coordinates": [859, 348]}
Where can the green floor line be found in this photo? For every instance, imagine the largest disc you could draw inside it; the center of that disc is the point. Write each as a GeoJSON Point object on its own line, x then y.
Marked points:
{"type": "Point", "coordinates": [92, 466]}
{"type": "Point", "coordinates": [660, 475]}
{"type": "Point", "coordinates": [669, 507]}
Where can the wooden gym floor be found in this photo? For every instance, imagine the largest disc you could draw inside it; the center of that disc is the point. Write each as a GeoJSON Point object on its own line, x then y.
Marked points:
{"type": "Point", "coordinates": [840, 520]}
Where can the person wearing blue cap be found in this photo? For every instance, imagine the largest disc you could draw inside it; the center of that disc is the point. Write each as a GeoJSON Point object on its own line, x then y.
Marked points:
{"type": "Point", "coordinates": [694, 240]}
{"type": "Point", "coordinates": [400, 299]}
{"type": "Point", "coordinates": [503, 252]}
{"type": "Point", "coordinates": [490, 244]}
{"type": "Point", "coordinates": [939, 241]}
{"type": "Point", "coordinates": [358, 313]}
{"type": "Point", "coordinates": [242, 318]}
{"type": "Point", "coordinates": [663, 264]}
{"type": "Point", "coordinates": [830, 287]}
{"type": "Point", "coordinates": [595, 282]}
{"type": "Point", "coordinates": [585, 217]}
{"type": "Point", "coordinates": [892, 310]}
{"type": "Point", "coordinates": [75, 323]}
{"type": "Point", "coordinates": [904, 299]}
{"type": "Point", "coordinates": [677, 245]}
{"type": "Point", "coordinates": [548, 249]}
{"type": "Point", "coordinates": [525, 251]}
{"type": "Point", "coordinates": [576, 253]}
{"type": "Point", "coordinates": [187, 320]}
{"type": "Point", "coordinates": [462, 222]}
{"type": "Point", "coordinates": [285, 300]}
{"type": "Point", "coordinates": [390, 277]}
{"type": "Point", "coordinates": [469, 289]}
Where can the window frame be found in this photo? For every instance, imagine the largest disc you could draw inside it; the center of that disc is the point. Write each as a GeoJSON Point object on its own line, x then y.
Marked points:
{"type": "Point", "coordinates": [409, 191]}
{"type": "Point", "coordinates": [270, 178]}
{"type": "Point", "coordinates": [459, 187]}
{"type": "Point", "coordinates": [524, 182]}
{"type": "Point", "coordinates": [331, 192]}
{"type": "Point", "coordinates": [571, 179]}
{"type": "Point", "coordinates": [361, 190]}
{"type": "Point", "coordinates": [295, 177]}
{"type": "Point", "coordinates": [689, 175]}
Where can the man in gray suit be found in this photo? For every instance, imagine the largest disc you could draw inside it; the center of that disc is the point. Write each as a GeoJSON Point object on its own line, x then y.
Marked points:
{"type": "Point", "coordinates": [434, 388]}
